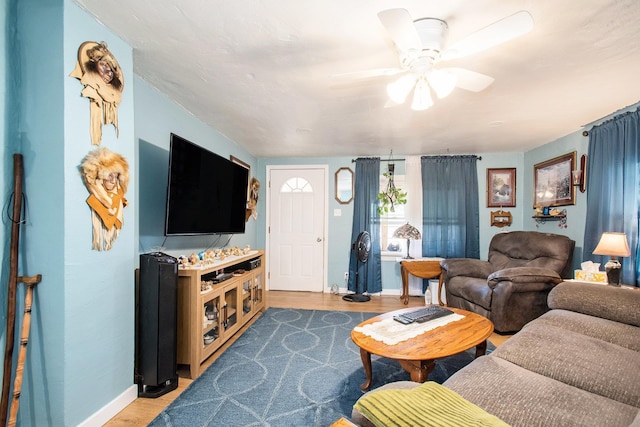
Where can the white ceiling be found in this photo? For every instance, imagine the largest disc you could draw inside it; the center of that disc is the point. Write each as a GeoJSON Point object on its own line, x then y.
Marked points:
{"type": "Point", "coordinates": [260, 71]}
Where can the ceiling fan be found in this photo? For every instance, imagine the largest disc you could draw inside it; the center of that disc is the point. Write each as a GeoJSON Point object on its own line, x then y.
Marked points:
{"type": "Point", "coordinates": [421, 48]}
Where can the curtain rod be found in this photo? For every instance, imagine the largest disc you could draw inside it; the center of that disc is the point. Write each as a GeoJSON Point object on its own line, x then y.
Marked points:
{"type": "Point", "coordinates": [397, 160]}
{"type": "Point", "coordinates": [599, 121]}
{"type": "Point", "coordinates": [382, 160]}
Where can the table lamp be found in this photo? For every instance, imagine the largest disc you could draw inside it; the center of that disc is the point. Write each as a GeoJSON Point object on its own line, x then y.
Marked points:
{"type": "Point", "coordinates": [614, 245]}
{"type": "Point", "coordinates": [408, 232]}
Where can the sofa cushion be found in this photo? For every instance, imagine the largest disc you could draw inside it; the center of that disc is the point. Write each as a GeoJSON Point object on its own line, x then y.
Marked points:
{"type": "Point", "coordinates": [619, 304]}
{"type": "Point", "coordinates": [604, 329]}
{"type": "Point", "coordinates": [520, 397]}
{"type": "Point", "coordinates": [429, 404]}
{"type": "Point", "coordinates": [575, 359]}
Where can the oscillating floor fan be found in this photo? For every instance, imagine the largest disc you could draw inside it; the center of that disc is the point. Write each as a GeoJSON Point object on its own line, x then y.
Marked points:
{"type": "Point", "coordinates": [361, 247]}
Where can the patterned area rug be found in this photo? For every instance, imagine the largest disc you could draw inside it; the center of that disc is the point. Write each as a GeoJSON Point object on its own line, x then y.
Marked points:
{"type": "Point", "coordinates": [290, 368]}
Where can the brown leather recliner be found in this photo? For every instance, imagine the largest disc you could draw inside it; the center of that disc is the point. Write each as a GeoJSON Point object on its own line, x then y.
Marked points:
{"type": "Point", "coordinates": [511, 288]}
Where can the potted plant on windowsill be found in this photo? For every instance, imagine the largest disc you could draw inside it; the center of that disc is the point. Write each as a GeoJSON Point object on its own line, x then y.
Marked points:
{"type": "Point", "coordinates": [392, 196]}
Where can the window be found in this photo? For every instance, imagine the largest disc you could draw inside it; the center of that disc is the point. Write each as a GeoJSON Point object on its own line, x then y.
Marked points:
{"type": "Point", "coordinates": [389, 222]}
{"type": "Point", "coordinates": [450, 209]}
{"type": "Point", "coordinates": [296, 185]}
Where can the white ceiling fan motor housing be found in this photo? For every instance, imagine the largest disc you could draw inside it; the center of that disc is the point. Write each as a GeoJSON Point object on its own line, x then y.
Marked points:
{"type": "Point", "coordinates": [432, 32]}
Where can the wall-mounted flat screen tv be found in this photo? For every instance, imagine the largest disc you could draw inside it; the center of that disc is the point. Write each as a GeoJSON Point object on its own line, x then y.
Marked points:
{"type": "Point", "coordinates": [207, 194]}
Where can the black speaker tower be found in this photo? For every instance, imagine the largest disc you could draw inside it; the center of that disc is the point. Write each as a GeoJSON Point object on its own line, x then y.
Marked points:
{"type": "Point", "coordinates": [156, 369]}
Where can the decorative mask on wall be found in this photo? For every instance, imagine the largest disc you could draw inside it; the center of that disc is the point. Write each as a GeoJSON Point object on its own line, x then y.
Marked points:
{"type": "Point", "coordinates": [106, 176]}
{"type": "Point", "coordinates": [252, 205]}
{"type": "Point", "coordinates": [101, 75]}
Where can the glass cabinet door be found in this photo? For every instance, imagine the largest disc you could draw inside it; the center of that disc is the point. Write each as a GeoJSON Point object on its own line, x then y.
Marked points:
{"type": "Point", "coordinates": [247, 299]}
{"type": "Point", "coordinates": [230, 312]}
{"type": "Point", "coordinates": [211, 322]}
{"type": "Point", "coordinates": [257, 289]}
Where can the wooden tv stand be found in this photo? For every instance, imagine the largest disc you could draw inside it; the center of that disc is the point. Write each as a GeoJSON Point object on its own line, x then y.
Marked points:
{"type": "Point", "coordinates": [208, 318]}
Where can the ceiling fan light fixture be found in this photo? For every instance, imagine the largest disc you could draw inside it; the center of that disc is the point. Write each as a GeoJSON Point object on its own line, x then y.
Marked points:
{"type": "Point", "coordinates": [421, 46]}
{"type": "Point", "coordinates": [442, 82]}
{"type": "Point", "coordinates": [399, 90]}
{"type": "Point", "coordinates": [422, 96]}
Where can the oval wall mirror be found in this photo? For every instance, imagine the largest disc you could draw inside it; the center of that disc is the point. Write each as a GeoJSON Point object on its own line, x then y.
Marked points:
{"type": "Point", "coordinates": [344, 185]}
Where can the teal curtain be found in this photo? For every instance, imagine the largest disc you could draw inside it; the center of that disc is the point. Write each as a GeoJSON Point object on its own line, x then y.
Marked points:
{"type": "Point", "coordinates": [613, 180]}
{"type": "Point", "coordinates": [450, 208]}
{"type": "Point", "coordinates": [366, 218]}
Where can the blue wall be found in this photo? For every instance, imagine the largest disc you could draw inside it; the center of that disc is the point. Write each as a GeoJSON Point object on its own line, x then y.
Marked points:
{"type": "Point", "coordinates": [339, 233]}
{"type": "Point", "coordinates": [35, 122]}
{"type": "Point", "coordinates": [576, 214]}
{"type": "Point", "coordinates": [6, 152]}
{"type": "Point", "coordinates": [98, 287]}
{"type": "Point", "coordinates": [81, 350]}
{"type": "Point", "coordinates": [156, 118]}
{"type": "Point", "coordinates": [339, 227]}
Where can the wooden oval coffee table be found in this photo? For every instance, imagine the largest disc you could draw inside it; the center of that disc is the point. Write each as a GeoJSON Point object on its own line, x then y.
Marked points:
{"type": "Point", "coordinates": [418, 355]}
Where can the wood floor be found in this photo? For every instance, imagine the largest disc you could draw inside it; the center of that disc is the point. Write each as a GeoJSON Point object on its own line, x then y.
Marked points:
{"type": "Point", "coordinates": [142, 410]}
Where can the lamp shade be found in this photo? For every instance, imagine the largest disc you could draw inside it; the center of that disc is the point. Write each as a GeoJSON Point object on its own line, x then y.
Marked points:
{"type": "Point", "coordinates": [407, 231]}
{"type": "Point", "coordinates": [442, 82]}
{"type": "Point", "coordinates": [422, 96]}
{"type": "Point", "coordinates": [612, 244]}
{"type": "Point", "coordinates": [399, 90]}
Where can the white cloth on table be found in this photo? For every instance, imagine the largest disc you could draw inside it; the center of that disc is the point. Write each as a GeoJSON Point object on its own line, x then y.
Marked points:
{"type": "Point", "coordinates": [392, 332]}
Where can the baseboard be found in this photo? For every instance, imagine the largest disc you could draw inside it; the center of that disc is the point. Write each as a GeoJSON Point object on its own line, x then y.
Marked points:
{"type": "Point", "coordinates": [112, 408]}
{"type": "Point", "coordinates": [343, 291]}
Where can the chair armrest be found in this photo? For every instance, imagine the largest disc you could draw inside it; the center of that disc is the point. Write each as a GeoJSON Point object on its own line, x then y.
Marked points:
{"type": "Point", "coordinates": [608, 302]}
{"type": "Point", "coordinates": [468, 267]}
{"type": "Point", "coordinates": [537, 277]}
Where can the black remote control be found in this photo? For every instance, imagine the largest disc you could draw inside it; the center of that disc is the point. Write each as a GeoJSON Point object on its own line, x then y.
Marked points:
{"type": "Point", "coordinates": [402, 320]}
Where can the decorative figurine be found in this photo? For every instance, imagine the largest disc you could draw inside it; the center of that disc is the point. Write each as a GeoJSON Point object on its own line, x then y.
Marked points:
{"type": "Point", "coordinates": [194, 259]}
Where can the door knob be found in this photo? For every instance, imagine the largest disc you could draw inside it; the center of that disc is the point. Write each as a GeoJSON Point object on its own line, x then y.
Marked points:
{"type": "Point", "coordinates": [319, 239]}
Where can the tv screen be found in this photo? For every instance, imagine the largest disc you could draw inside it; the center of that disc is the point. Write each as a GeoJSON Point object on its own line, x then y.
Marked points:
{"type": "Point", "coordinates": [207, 194]}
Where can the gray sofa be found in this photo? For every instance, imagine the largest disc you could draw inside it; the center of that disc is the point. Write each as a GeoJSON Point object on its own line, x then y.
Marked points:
{"type": "Point", "coordinates": [576, 365]}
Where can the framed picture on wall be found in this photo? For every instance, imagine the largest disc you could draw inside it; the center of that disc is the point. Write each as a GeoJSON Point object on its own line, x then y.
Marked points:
{"type": "Point", "coordinates": [237, 161]}
{"type": "Point", "coordinates": [501, 188]}
{"type": "Point", "coordinates": [552, 182]}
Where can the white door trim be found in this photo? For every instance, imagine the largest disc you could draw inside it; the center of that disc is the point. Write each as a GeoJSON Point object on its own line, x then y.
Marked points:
{"type": "Point", "coordinates": [325, 266]}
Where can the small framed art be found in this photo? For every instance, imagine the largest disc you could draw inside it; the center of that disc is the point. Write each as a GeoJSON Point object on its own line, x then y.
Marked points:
{"type": "Point", "coordinates": [501, 188]}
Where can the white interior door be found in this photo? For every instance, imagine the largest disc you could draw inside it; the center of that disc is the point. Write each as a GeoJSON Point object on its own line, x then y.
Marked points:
{"type": "Point", "coordinates": [296, 228]}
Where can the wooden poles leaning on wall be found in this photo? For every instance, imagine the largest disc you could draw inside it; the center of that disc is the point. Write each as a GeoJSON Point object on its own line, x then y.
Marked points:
{"type": "Point", "coordinates": [24, 339]}
{"type": "Point", "coordinates": [13, 284]}
{"type": "Point", "coordinates": [16, 221]}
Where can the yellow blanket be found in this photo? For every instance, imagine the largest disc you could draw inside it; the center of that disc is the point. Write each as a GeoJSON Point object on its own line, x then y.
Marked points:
{"type": "Point", "coordinates": [429, 404]}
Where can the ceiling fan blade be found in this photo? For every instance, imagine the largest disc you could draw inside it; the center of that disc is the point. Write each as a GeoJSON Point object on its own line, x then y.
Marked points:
{"type": "Point", "coordinates": [399, 25]}
{"type": "Point", "coordinates": [470, 80]}
{"type": "Point", "coordinates": [492, 35]}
